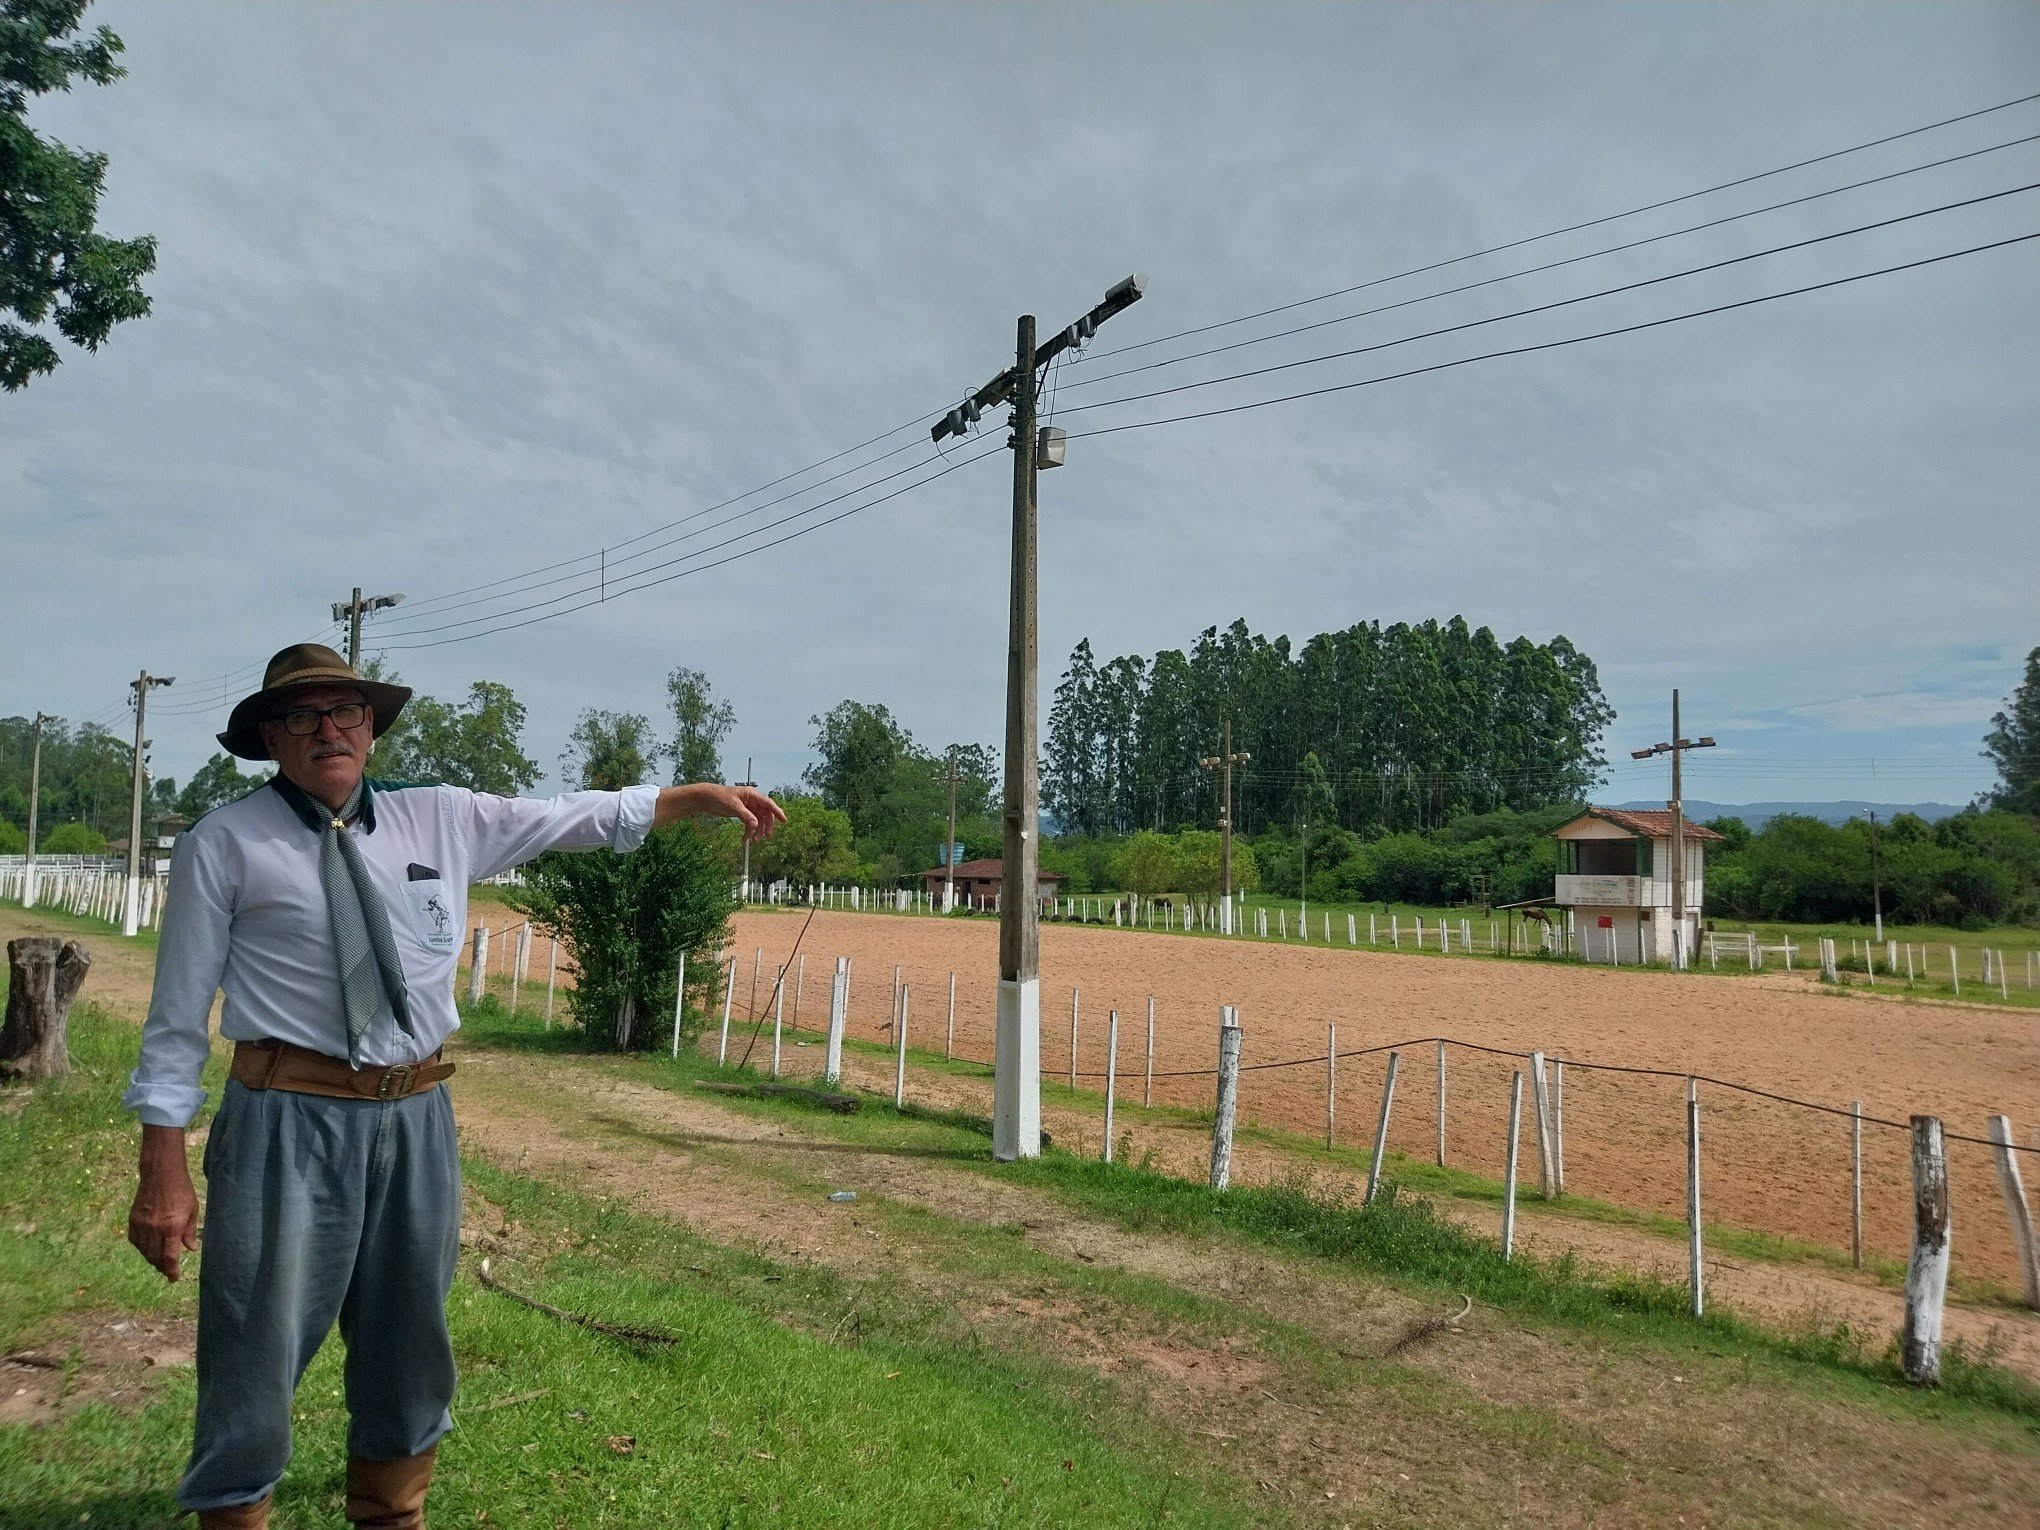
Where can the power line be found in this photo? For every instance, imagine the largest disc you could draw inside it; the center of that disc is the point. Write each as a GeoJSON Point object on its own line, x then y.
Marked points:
{"type": "Point", "coordinates": [1616, 249]}
{"type": "Point", "coordinates": [1551, 345]}
{"type": "Point", "coordinates": [952, 466]}
{"type": "Point", "coordinates": [1571, 228]}
{"type": "Point", "coordinates": [606, 591]}
{"type": "Point", "coordinates": [1587, 297]}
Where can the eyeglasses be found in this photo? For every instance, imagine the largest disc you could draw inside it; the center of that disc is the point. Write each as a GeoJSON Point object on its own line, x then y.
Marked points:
{"type": "Point", "coordinates": [303, 722]}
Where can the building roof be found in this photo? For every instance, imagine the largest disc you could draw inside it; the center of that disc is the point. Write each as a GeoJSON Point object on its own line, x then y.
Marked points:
{"type": "Point", "coordinates": [982, 870]}
{"type": "Point", "coordinates": [1648, 823]}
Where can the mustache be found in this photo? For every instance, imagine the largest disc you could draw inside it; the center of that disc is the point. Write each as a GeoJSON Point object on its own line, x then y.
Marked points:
{"type": "Point", "coordinates": [328, 751]}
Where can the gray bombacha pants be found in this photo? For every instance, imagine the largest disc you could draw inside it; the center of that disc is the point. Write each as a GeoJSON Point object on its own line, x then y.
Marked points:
{"type": "Point", "coordinates": [319, 1210]}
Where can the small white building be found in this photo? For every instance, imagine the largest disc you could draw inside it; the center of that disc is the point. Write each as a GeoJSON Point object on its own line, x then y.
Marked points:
{"type": "Point", "coordinates": [1615, 880]}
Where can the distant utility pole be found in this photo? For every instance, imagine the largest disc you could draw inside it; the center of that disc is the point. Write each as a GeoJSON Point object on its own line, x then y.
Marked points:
{"type": "Point", "coordinates": [1876, 881]}
{"type": "Point", "coordinates": [352, 611]}
{"type": "Point", "coordinates": [1016, 1056]}
{"type": "Point", "coordinates": [131, 912]}
{"type": "Point", "coordinates": [1677, 748]}
{"type": "Point", "coordinates": [949, 844]}
{"type": "Point", "coordinates": [1225, 760]}
{"type": "Point", "coordinates": [34, 797]}
{"type": "Point", "coordinates": [747, 781]}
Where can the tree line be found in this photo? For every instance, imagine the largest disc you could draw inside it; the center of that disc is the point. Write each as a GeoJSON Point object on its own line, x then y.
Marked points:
{"type": "Point", "coordinates": [1412, 725]}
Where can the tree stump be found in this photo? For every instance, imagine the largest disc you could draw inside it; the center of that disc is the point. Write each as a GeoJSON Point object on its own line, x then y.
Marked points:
{"type": "Point", "coordinates": [44, 974]}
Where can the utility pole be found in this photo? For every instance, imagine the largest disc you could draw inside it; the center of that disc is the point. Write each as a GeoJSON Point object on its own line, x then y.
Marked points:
{"type": "Point", "coordinates": [34, 798]}
{"type": "Point", "coordinates": [1225, 760]}
{"type": "Point", "coordinates": [1016, 1067]}
{"type": "Point", "coordinates": [1677, 748]}
{"type": "Point", "coordinates": [747, 781]}
{"type": "Point", "coordinates": [352, 611]}
{"type": "Point", "coordinates": [949, 844]}
{"type": "Point", "coordinates": [1876, 881]}
{"type": "Point", "coordinates": [131, 912]}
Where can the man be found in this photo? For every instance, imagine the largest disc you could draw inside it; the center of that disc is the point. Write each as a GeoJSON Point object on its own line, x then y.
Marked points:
{"type": "Point", "coordinates": [329, 910]}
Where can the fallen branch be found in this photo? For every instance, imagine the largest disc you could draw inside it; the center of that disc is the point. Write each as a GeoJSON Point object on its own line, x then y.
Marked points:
{"type": "Point", "coordinates": [614, 1330]}
{"type": "Point", "coordinates": [1427, 1328]}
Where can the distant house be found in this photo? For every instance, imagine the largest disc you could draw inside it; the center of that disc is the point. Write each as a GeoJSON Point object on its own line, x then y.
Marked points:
{"type": "Point", "coordinates": [980, 881]}
{"type": "Point", "coordinates": [1615, 875]}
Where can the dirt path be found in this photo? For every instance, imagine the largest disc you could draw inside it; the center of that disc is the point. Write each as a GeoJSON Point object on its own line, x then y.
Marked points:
{"type": "Point", "coordinates": [1557, 1428]}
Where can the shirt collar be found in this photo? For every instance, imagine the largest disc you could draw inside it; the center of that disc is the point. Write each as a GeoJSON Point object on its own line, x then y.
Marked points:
{"type": "Point", "coordinates": [315, 815]}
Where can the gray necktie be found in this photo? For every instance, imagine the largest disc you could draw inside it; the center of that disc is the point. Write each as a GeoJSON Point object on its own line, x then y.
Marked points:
{"type": "Point", "coordinates": [369, 969]}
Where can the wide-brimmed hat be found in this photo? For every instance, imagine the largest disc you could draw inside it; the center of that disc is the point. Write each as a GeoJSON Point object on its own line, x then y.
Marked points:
{"type": "Point", "coordinates": [294, 669]}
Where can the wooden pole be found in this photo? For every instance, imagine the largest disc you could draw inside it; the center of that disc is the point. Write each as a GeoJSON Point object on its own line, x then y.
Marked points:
{"type": "Point", "coordinates": [729, 992]}
{"type": "Point", "coordinates": [899, 1081]}
{"type": "Point", "coordinates": [1074, 996]}
{"type": "Point", "coordinates": [679, 1002]}
{"type": "Point", "coordinates": [1147, 1088]}
{"type": "Point", "coordinates": [1331, 1081]}
{"type": "Point", "coordinates": [1111, 1074]}
{"type": "Point", "coordinates": [1441, 1104]}
{"type": "Point", "coordinates": [1540, 1106]}
{"type": "Point", "coordinates": [1228, 1096]}
{"type": "Point", "coordinates": [1695, 1276]}
{"type": "Point", "coordinates": [478, 965]}
{"type": "Point", "coordinates": [1381, 1127]}
{"type": "Point", "coordinates": [778, 1014]}
{"type": "Point", "coordinates": [1856, 1183]}
{"type": "Point", "coordinates": [799, 973]}
{"type": "Point", "coordinates": [949, 1030]}
{"type": "Point", "coordinates": [1557, 1127]}
{"type": "Point", "coordinates": [1926, 1273]}
{"type": "Point", "coordinates": [1509, 1166]}
{"type": "Point", "coordinates": [2014, 1191]}
{"type": "Point", "coordinates": [839, 1017]}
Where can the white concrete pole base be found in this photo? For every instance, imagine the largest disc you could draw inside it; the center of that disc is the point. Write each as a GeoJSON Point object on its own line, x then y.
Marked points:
{"type": "Point", "coordinates": [1016, 1072]}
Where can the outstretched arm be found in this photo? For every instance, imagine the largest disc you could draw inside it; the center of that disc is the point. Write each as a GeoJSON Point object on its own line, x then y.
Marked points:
{"type": "Point", "coordinates": [758, 813]}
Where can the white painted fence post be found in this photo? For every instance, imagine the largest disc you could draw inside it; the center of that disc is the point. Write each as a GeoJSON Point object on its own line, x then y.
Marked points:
{"type": "Point", "coordinates": [799, 972]}
{"type": "Point", "coordinates": [1352, 931]}
{"type": "Point", "coordinates": [778, 1014]}
{"type": "Point", "coordinates": [478, 965]}
{"type": "Point", "coordinates": [1856, 1183]}
{"type": "Point", "coordinates": [2013, 1189]}
{"type": "Point", "coordinates": [517, 964]}
{"type": "Point", "coordinates": [1540, 1106]}
{"type": "Point", "coordinates": [1111, 1074]}
{"type": "Point", "coordinates": [1147, 1088]}
{"type": "Point", "coordinates": [1509, 1166]}
{"type": "Point", "coordinates": [949, 1031]}
{"type": "Point", "coordinates": [1228, 1096]}
{"type": "Point", "coordinates": [1557, 1127]}
{"type": "Point", "coordinates": [839, 1015]}
{"type": "Point", "coordinates": [1381, 1128]}
{"type": "Point", "coordinates": [1695, 1275]}
{"type": "Point", "coordinates": [1926, 1273]}
{"type": "Point", "coordinates": [1955, 977]}
{"type": "Point", "coordinates": [1331, 1081]}
{"type": "Point", "coordinates": [552, 967]}
{"type": "Point", "coordinates": [1441, 1103]}
{"type": "Point", "coordinates": [1074, 996]}
{"type": "Point", "coordinates": [729, 992]}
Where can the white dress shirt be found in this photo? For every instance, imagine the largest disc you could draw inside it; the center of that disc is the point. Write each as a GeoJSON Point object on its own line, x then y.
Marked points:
{"type": "Point", "coordinates": [246, 914]}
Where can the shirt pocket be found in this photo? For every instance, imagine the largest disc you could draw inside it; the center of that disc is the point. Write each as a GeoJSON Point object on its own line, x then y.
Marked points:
{"type": "Point", "coordinates": [433, 918]}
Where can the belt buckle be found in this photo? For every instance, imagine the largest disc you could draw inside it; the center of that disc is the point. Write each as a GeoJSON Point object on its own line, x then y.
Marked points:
{"type": "Point", "coordinates": [395, 1082]}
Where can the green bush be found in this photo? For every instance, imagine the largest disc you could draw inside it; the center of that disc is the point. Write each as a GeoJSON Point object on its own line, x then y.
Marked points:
{"type": "Point", "coordinates": [73, 839]}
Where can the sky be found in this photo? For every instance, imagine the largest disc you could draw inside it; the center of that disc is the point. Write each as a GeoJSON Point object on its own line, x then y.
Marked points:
{"type": "Point", "coordinates": [446, 295]}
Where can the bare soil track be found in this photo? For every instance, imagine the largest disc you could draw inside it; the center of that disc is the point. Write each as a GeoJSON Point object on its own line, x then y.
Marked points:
{"type": "Point", "coordinates": [1767, 1167]}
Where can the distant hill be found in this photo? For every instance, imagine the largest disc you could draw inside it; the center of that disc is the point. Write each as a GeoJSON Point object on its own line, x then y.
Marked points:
{"type": "Point", "coordinates": [1757, 814]}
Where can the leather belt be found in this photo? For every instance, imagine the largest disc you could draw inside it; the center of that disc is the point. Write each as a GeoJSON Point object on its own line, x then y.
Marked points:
{"type": "Point", "coordinates": [282, 1065]}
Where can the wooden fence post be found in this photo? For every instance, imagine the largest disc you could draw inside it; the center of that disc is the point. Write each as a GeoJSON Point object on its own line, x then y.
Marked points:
{"type": "Point", "coordinates": [2014, 1191]}
{"type": "Point", "coordinates": [1441, 1103]}
{"type": "Point", "coordinates": [478, 964]}
{"type": "Point", "coordinates": [839, 1016]}
{"type": "Point", "coordinates": [1228, 1096]}
{"type": "Point", "coordinates": [799, 972]}
{"type": "Point", "coordinates": [778, 1014]}
{"type": "Point", "coordinates": [1111, 1074]}
{"type": "Point", "coordinates": [1557, 1127]}
{"type": "Point", "coordinates": [899, 1078]}
{"type": "Point", "coordinates": [1074, 996]}
{"type": "Point", "coordinates": [949, 1031]}
{"type": "Point", "coordinates": [44, 975]}
{"type": "Point", "coordinates": [517, 964]}
{"type": "Point", "coordinates": [679, 1002]}
{"type": "Point", "coordinates": [1540, 1113]}
{"type": "Point", "coordinates": [1926, 1273]}
{"type": "Point", "coordinates": [729, 992]}
{"type": "Point", "coordinates": [1147, 1088]}
{"type": "Point", "coordinates": [1856, 1183]}
{"type": "Point", "coordinates": [1954, 970]}
{"type": "Point", "coordinates": [1695, 1276]}
{"type": "Point", "coordinates": [1381, 1127]}
{"type": "Point", "coordinates": [1509, 1166]}
{"type": "Point", "coordinates": [1331, 1081]}
{"type": "Point", "coordinates": [552, 968]}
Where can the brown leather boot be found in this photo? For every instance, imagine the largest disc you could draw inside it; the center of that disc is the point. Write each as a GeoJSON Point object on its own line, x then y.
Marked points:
{"type": "Point", "coordinates": [388, 1495]}
{"type": "Point", "coordinates": [242, 1516]}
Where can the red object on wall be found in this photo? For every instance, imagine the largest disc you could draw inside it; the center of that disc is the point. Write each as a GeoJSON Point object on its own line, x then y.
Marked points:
{"type": "Point", "coordinates": [1607, 921]}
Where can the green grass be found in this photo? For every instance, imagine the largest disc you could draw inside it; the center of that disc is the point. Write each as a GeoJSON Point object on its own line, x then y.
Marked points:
{"type": "Point", "coordinates": [762, 1413]}
{"type": "Point", "coordinates": [1399, 1237]}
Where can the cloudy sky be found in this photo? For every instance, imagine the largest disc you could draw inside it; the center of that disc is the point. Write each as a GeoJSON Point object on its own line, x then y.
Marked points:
{"type": "Point", "coordinates": [449, 295]}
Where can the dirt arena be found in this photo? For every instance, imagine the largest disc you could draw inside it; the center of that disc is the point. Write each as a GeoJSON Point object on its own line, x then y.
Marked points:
{"type": "Point", "coordinates": [1765, 1166]}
